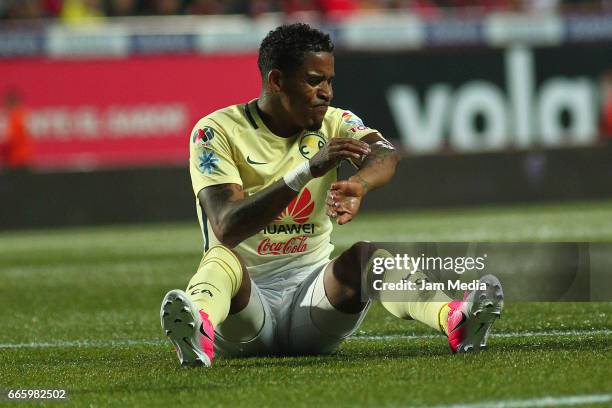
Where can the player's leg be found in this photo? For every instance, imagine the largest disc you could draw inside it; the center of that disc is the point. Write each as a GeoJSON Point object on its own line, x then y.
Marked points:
{"type": "Point", "coordinates": [221, 287]}
{"type": "Point", "coordinates": [309, 323]}
{"type": "Point", "coordinates": [466, 322]}
{"type": "Point", "coordinates": [328, 306]}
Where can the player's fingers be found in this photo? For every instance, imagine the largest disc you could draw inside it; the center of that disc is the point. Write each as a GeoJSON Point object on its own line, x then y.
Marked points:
{"type": "Point", "coordinates": [338, 185]}
{"type": "Point", "coordinates": [360, 147]}
{"type": "Point", "coordinates": [347, 141]}
{"type": "Point", "coordinates": [343, 208]}
{"type": "Point", "coordinates": [329, 206]}
{"type": "Point", "coordinates": [331, 198]}
{"type": "Point", "coordinates": [344, 154]}
{"type": "Point", "coordinates": [350, 144]}
{"type": "Point", "coordinates": [344, 218]}
{"type": "Point", "coordinates": [332, 203]}
{"type": "Point", "coordinates": [346, 187]}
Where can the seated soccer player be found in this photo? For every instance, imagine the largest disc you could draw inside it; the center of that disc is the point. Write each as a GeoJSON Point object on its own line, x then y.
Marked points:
{"type": "Point", "coordinates": [264, 178]}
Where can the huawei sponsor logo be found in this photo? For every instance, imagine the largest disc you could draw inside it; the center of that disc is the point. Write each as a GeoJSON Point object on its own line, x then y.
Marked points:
{"type": "Point", "coordinates": [294, 220]}
{"type": "Point", "coordinates": [299, 209]}
{"type": "Point", "coordinates": [291, 246]}
{"type": "Point", "coordinates": [289, 229]}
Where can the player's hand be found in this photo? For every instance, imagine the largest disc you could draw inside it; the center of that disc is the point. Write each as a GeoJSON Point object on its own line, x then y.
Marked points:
{"type": "Point", "coordinates": [343, 200]}
{"type": "Point", "coordinates": [337, 149]}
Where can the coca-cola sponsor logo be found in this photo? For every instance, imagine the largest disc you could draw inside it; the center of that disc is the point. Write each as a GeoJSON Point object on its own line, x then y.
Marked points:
{"type": "Point", "coordinates": [291, 246]}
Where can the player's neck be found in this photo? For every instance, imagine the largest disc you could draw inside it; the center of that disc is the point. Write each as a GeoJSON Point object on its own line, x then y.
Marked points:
{"type": "Point", "coordinates": [272, 115]}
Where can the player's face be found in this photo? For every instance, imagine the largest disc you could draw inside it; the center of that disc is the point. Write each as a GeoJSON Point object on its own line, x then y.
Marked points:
{"type": "Point", "coordinates": [308, 92]}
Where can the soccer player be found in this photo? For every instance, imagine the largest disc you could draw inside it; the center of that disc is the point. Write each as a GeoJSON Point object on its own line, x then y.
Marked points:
{"type": "Point", "coordinates": [264, 177]}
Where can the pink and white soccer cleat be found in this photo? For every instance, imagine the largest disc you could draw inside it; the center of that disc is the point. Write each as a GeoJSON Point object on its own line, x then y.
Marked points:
{"type": "Point", "coordinates": [470, 320]}
{"type": "Point", "coordinates": [188, 329]}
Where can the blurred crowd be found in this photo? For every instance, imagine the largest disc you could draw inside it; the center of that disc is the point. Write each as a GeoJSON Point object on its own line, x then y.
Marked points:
{"type": "Point", "coordinates": [75, 10]}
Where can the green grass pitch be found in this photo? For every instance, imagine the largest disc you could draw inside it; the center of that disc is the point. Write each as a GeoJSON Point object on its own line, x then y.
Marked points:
{"type": "Point", "coordinates": [80, 312]}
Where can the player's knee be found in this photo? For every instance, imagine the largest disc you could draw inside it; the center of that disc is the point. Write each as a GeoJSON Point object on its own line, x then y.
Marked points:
{"type": "Point", "coordinates": [361, 252]}
{"type": "Point", "coordinates": [350, 264]}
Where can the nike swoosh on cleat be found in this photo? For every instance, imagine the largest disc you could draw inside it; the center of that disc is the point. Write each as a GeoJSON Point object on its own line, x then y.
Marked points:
{"type": "Point", "coordinates": [251, 161]}
{"type": "Point", "coordinates": [204, 333]}
{"type": "Point", "coordinates": [463, 320]}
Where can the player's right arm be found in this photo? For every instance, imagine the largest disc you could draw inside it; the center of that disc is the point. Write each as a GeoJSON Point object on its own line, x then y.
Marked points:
{"type": "Point", "coordinates": [234, 216]}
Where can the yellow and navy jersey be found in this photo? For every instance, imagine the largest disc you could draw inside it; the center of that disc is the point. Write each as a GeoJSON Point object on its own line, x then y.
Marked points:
{"type": "Point", "coordinates": [233, 145]}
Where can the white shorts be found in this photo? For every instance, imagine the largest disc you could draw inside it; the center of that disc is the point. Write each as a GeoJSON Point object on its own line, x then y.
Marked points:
{"type": "Point", "coordinates": [287, 314]}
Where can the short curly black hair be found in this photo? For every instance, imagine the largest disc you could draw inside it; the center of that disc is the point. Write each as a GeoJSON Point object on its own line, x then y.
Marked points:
{"type": "Point", "coordinates": [284, 47]}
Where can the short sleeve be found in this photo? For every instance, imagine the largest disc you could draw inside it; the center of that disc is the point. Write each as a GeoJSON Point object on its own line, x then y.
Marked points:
{"type": "Point", "coordinates": [352, 126]}
{"type": "Point", "coordinates": [210, 157]}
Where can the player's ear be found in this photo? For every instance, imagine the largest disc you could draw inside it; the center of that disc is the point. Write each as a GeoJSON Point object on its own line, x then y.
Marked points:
{"type": "Point", "coordinates": [274, 80]}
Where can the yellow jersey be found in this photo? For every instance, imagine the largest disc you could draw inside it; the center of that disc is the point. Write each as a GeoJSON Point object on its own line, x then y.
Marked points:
{"type": "Point", "coordinates": [233, 145]}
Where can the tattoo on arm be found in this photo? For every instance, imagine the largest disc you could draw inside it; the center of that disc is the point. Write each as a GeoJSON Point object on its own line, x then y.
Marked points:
{"type": "Point", "coordinates": [235, 217]}
{"type": "Point", "coordinates": [363, 182]}
{"type": "Point", "coordinates": [378, 167]}
{"type": "Point", "coordinates": [214, 200]}
{"type": "Point", "coordinates": [380, 152]}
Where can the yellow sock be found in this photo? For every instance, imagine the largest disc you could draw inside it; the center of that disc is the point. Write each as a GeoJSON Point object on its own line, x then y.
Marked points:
{"type": "Point", "coordinates": [216, 282]}
{"type": "Point", "coordinates": [443, 318]}
{"type": "Point", "coordinates": [432, 314]}
{"type": "Point", "coordinates": [429, 307]}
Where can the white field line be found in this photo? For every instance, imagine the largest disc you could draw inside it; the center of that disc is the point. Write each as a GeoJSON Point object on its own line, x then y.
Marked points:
{"type": "Point", "coordinates": [569, 400]}
{"type": "Point", "coordinates": [508, 334]}
{"type": "Point", "coordinates": [155, 342]}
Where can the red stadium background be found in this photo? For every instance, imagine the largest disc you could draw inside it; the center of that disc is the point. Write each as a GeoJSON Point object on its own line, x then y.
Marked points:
{"type": "Point", "coordinates": [121, 112]}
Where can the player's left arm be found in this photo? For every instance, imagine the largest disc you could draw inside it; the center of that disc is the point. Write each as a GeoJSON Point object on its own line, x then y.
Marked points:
{"type": "Point", "coordinates": [375, 170]}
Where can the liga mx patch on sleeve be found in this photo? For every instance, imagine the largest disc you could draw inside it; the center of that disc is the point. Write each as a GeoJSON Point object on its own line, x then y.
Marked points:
{"type": "Point", "coordinates": [203, 136]}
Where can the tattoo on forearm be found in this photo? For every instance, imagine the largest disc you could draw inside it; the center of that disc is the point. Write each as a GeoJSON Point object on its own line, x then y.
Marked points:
{"type": "Point", "coordinates": [238, 216]}
{"type": "Point", "coordinates": [380, 152]}
{"type": "Point", "coordinates": [363, 182]}
{"type": "Point", "coordinates": [217, 196]}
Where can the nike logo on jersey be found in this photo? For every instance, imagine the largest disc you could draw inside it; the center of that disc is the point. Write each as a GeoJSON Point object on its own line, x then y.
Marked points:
{"type": "Point", "coordinates": [251, 161]}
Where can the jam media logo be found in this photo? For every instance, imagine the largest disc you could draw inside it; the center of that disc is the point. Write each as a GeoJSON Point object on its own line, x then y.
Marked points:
{"type": "Point", "coordinates": [203, 136]}
{"type": "Point", "coordinates": [311, 143]}
{"type": "Point", "coordinates": [291, 246]}
{"type": "Point", "coordinates": [299, 209]}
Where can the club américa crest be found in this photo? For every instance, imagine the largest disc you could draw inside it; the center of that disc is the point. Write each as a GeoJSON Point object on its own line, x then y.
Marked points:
{"type": "Point", "coordinates": [311, 143]}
